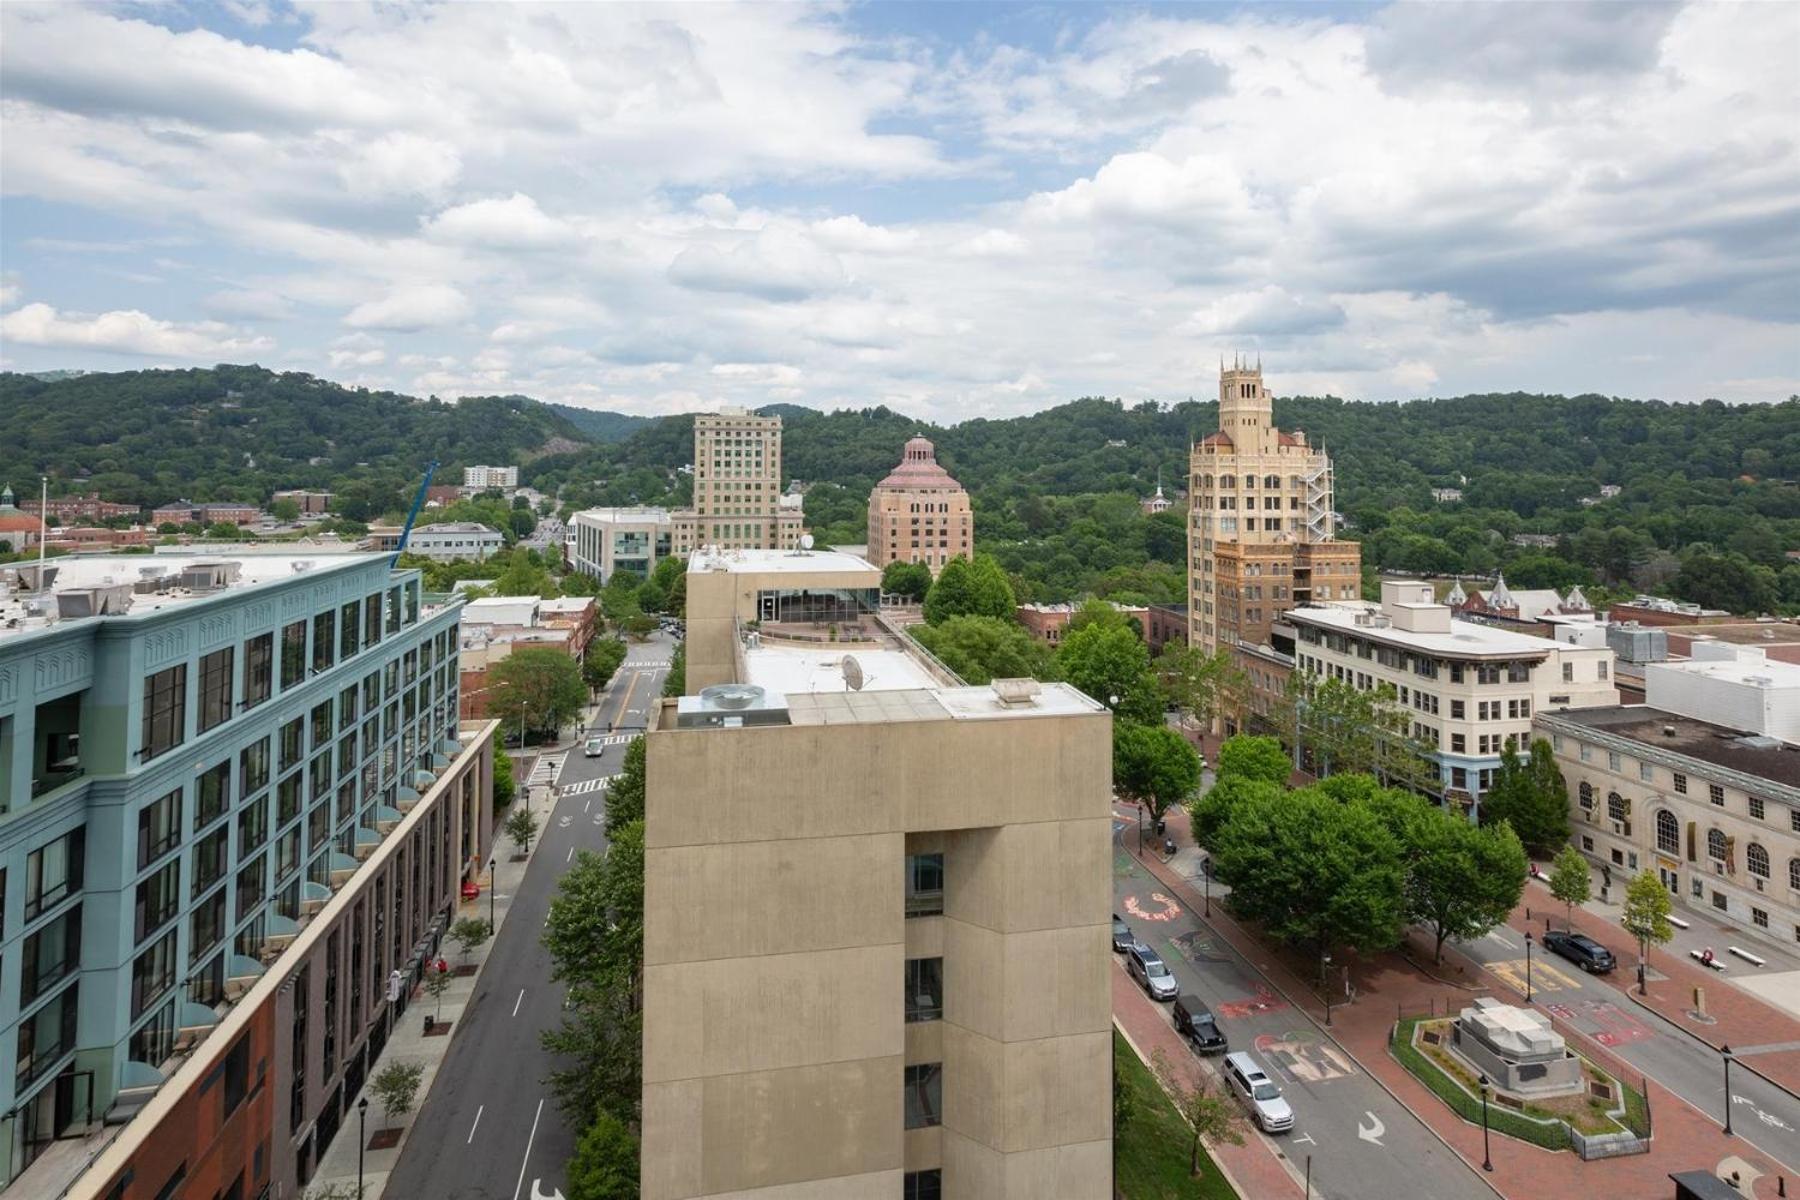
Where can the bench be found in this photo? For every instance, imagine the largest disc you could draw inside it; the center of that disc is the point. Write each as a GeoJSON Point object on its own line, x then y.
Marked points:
{"type": "Point", "coordinates": [1715, 964]}
{"type": "Point", "coordinates": [1753, 959]}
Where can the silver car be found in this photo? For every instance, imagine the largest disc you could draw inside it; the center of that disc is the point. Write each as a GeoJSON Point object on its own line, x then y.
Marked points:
{"type": "Point", "coordinates": [1147, 967]}
{"type": "Point", "coordinates": [1253, 1086]}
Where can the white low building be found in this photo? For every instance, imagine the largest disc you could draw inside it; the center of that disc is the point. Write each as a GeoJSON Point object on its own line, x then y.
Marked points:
{"type": "Point", "coordinates": [604, 540]}
{"type": "Point", "coordinates": [453, 540]}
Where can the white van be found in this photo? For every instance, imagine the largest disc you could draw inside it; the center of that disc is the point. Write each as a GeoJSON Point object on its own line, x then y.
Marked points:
{"type": "Point", "coordinates": [1258, 1092]}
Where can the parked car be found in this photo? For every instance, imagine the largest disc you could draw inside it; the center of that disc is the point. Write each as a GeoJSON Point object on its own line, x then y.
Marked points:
{"type": "Point", "coordinates": [1147, 967]}
{"type": "Point", "coordinates": [594, 747]}
{"type": "Point", "coordinates": [1123, 938]}
{"type": "Point", "coordinates": [1252, 1085]}
{"type": "Point", "coordinates": [1581, 950]}
{"type": "Point", "coordinates": [1195, 1022]}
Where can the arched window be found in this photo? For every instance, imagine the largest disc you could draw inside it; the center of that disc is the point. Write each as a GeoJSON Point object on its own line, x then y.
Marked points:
{"type": "Point", "coordinates": [1794, 873]}
{"type": "Point", "coordinates": [1715, 844]}
{"type": "Point", "coordinates": [1615, 807]}
{"type": "Point", "coordinates": [1206, 481]}
{"type": "Point", "coordinates": [1668, 833]}
{"type": "Point", "coordinates": [1271, 481]}
{"type": "Point", "coordinates": [1228, 481]}
{"type": "Point", "coordinates": [1757, 860]}
{"type": "Point", "coordinates": [1587, 795]}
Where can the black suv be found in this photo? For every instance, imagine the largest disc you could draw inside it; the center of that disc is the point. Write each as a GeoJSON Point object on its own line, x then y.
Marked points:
{"type": "Point", "coordinates": [1581, 950]}
{"type": "Point", "coordinates": [1195, 1022]}
{"type": "Point", "coordinates": [1123, 938]}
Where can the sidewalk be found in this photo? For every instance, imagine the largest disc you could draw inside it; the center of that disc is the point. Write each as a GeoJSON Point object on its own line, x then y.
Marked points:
{"type": "Point", "coordinates": [1387, 984]}
{"type": "Point", "coordinates": [407, 1041]}
{"type": "Point", "coordinates": [1255, 1169]}
{"type": "Point", "coordinates": [1733, 1016]}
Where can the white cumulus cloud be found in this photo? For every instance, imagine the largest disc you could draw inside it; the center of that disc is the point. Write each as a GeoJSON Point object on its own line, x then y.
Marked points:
{"type": "Point", "coordinates": [410, 309]}
{"type": "Point", "coordinates": [127, 331]}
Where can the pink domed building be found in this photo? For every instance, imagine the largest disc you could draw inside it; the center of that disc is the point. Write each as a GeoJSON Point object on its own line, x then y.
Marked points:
{"type": "Point", "coordinates": [919, 513]}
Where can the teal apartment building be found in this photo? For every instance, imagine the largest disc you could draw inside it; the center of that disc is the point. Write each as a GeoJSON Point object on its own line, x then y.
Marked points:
{"type": "Point", "coordinates": [236, 813]}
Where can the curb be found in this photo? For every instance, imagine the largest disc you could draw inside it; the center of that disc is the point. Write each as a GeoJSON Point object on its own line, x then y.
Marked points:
{"type": "Point", "coordinates": [1743, 1063]}
{"type": "Point", "coordinates": [1206, 1143]}
{"type": "Point", "coordinates": [1379, 1081]}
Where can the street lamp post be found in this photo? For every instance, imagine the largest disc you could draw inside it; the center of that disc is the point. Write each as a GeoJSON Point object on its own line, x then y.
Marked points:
{"type": "Point", "coordinates": [1528, 966]}
{"type": "Point", "coordinates": [1324, 984]}
{"type": "Point", "coordinates": [1725, 1052]}
{"type": "Point", "coordinates": [362, 1141]}
{"type": "Point", "coordinates": [1206, 884]}
{"type": "Point", "coordinates": [1487, 1159]}
{"type": "Point", "coordinates": [493, 882]}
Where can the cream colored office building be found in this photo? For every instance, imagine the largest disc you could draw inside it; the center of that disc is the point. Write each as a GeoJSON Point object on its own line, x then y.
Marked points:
{"type": "Point", "coordinates": [876, 941]}
{"type": "Point", "coordinates": [1262, 537]}
{"type": "Point", "coordinates": [737, 486]}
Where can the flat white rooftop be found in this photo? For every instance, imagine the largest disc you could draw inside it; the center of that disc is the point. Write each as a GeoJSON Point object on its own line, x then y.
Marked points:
{"type": "Point", "coordinates": [1753, 671]}
{"type": "Point", "coordinates": [793, 671]}
{"type": "Point", "coordinates": [1465, 637]}
{"type": "Point", "coordinates": [627, 516]}
{"type": "Point", "coordinates": [936, 704]}
{"type": "Point", "coordinates": [799, 562]}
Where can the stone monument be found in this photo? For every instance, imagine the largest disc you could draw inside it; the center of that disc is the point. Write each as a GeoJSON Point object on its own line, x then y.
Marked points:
{"type": "Point", "coordinates": [1516, 1049]}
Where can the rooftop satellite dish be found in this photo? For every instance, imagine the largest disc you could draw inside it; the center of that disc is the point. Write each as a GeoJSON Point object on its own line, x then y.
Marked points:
{"type": "Point", "coordinates": [806, 541]}
{"type": "Point", "coordinates": [853, 673]}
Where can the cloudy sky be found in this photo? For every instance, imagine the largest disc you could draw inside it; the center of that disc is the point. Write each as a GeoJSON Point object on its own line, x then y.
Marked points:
{"type": "Point", "coordinates": [953, 209]}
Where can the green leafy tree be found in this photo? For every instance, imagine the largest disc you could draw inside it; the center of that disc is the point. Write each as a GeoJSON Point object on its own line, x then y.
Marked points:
{"type": "Point", "coordinates": [1462, 880]}
{"type": "Point", "coordinates": [1211, 1115]}
{"type": "Point", "coordinates": [285, 509]}
{"type": "Point", "coordinates": [539, 688]}
{"type": "Point", "coordinates": [1211, 811]}
{"type": "Point", "coordinates": [912, 580]}
{"type": "Point", "coordinates": [1200, 684]}
{"type": "Point", "coordinates": [1529, 794]}
{"type": "Point", "coordinates": [470, 934]}
{"type": "Point", "coordinates": [985, 648]}
{"type": "Point", "coordinates": [395, 1087]}
{"type": "Point", "coordinates": [503, 774]}
{"type": "Point", "coordinates": [1569, 881]}
{"type": "Point", "coordinates": [605, 1163]}
{"type": "Point", "coordinates": [1155, 766]}
{"type": "Point", "coordinates": [1646, 916]}
{"type": "Point", "coordinates": [969, 587]}
{"type": "Point", "coordinates": [675, 682]}
{"type": "Point", "coordinates": [604, 657]}
{"type": "Point", "coordinates": [625, 794]}
{"type": "Point", "coordinates": [1317, 873]}
{"type": "Point", "coordinates": [1109, 663]}
{"type": "Point", "coordinates": [436, 984]}
{"type": "Point", "coordinates": [1254, 758]}
{"type": "Point", "coordinates": [522, 828]}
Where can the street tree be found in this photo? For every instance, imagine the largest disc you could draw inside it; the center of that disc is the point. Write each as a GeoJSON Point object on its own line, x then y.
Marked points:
{"type": "Point", "coordinates": [1208, 814]}
{"type": "Point", "coordinates": [436, 984]}
{"type": "Point", "coordinates": [1316, 872]}
{"type": "Point", "coordinates": [285, 509]}
{"type": "Point", "coordinates": [395, 1087]}
{"type": "Point", "coordinates": [522, 827]}
{"type": "Point", "coordinates": [966, 587]}
{"type": "Point", "coordinates": [538, 688]}
{"type": "Point", "coordinates": [503, 775]}
{"type": "Point", "coordinates": [1202, 685]}
{"type": "Point", "coordinates": [912, 580]}
{"type": "Point", "coordinates": [1211, 1115]}
{"type": "Point", "coordinates": [1254, 758]}
{"type": "Point", "coordinates": [1109, 663]}
{"type": "Point", "coordinates": [1155, 766]}
{"type": "Point", "coordinates": [1462, 880]}
{"type": "Point", "coordinates": [981, 649]}
{"type": "Point", "coordinates": [605, 1163]}
{"type": "Point", "coordinates": [1569, 881]}
{"type": "Point", "coordinates": [1529, 794]}
{"type": "Point", "coordinates": [1646, 916]}
{"type": "Point", "coordinates": [604, 657]}
{"type": "Point", "coordinates": [470, 934]}
{"type": "Point", "coordinates": [625, 794]}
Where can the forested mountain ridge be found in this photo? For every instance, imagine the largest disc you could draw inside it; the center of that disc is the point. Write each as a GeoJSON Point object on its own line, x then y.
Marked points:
{"type": "Point", "coordinates": [239, 433]}
{"type": "Point", "coordinates": [600, 425]}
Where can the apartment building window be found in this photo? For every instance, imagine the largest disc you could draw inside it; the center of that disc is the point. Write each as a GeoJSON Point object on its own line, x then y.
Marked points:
{"type": "Point", "coordinates": [1760, 918]}
{"type": "Point", "coordinates": [253, 766]}
{"type": "Point", "coordinates": [1586, 792]}
{"type": "Point", "coordinates": [1716, 794]}
{"type": "Point", "coordinates": [159, 828]}
{"type": "Point", "coordinates": [152, 974]}
{"type": "Point", "coordinates": [922, 1185]}
{"type": "Point", "coordinates": [924, 1095]}
{"type": "Point", "coordinates": [1681, 784]}
{"type": "Point", "coordinates": [287, 799]}
{"type": "Point", "coordinates": [297, 1050]}
{"type": "Point", "coordinates": [1612, 761]}
{"type": "Point", "coordinates": [293, 654]}
{"type": "Point", "coordinates": [253, 825]}
{"type": "Point", "coordinates": [1617, 809]}
{"type": "Point", "coordinates": [1668, 833]}
{"type": "Point", "coordinates": [321, 725]}
{"type": "Point", "coordinates": [46, 1035]}
{"type": "Point", "coordinates": [291, 744]}
{"type": "Point", "coordinates": [1715, 844]}
{"type": "Point", "coordinates": [165, 711]}
{"type": "Point", "coordinates": [324, 640]}
{"type": "Point", "coordinates": [1756, 860]}
{"type": "Point", "coordinates": [1518, 710]}
{"type": "Point", "coordinates": [1793, 824]}
{"type": "Point", "coordinates": [1794, 873]}
{"type": "Point", "coordinates": [51, 954]}
{"type": "Point", "coordinates": [212, 794]}
{"type": "Point", "coordinates": [924, 989]}
{"type": "Point", "coordinates": [1568, 672]}
{"type": "Point", "coordinates": [207, 927]}
{"type": "Point", "coordinates": [924, 885]}
{"type": "Point", "coordinates": [1600, 671]}
{"type": "Point", "coordinates": [54, 871]}
{"type": "Point", "coordinates": [251, 882]}
{"type": "Point", "coordinates": [1456, 710]}
{"type": "Point", "coordinates": [259, 669]}
{"type": "Point", "coordinates": [215, 688]}
{"type": "Point", "coordinates": [209, 859]}
{"type": "Point", "coordinates": [1585, 753]}
{"type": "Point", "coordinates": [1719, 902]}
{"type": "Point", "coordinates": [158, 900]}
{"type": "Point", "coordinates": [1646, 772]}
{"type": "Point", "coordinates": [349, 630]}
{"type": "Point", "coordinates": [1756, 807]}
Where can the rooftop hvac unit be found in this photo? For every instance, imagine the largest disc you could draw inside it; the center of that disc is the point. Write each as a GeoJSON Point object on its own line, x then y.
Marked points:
{"type": "Point", "coordinates": [1016, 691]}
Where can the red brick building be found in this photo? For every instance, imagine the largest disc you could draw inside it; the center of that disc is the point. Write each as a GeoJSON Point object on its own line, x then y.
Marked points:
{"type": "Point", "coordinates": [83, 508]}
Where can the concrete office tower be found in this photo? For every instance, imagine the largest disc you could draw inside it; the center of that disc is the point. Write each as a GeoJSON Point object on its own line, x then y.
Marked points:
{"type": "Point", "coordinates": [919, 513]}
{"type": "Point", "coordinates": [876, 918]}
{"type": "Point", "coordinates": [737, 485]}
{"type": "Point", "coordinates": [1261, 535]}
{"type": "Point", "coordinates": [236, 809]}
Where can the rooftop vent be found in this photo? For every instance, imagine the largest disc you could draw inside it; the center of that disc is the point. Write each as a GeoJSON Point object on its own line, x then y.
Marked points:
{"type": "Point", "coordinates": [1668, 731]}
{"type": "Point", "coordinates": [730, 696]}
{"type": "Point", "coordinates": [1016, 692]}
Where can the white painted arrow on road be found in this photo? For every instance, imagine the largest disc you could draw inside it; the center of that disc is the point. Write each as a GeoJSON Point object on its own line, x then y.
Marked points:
{"type": "Point", "coordinates": [539, 1194]}
{"type": "Point", "coordinates": [1371, 1135]}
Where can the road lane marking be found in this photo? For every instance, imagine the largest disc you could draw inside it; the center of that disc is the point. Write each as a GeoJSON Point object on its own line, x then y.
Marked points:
{"type": "Point", "coordinates": [526, 1162]}
{"type": "Point", "coordinates": [1371, 1135]}
{"type": "Point", "coordinates": [518, 1002]}
{"type": "Point", "coordinates": [474, 1127]}
{"type": "Point", "coordinates": [570, 857]}
{"type": "Point", "coordinates": [587, 805]}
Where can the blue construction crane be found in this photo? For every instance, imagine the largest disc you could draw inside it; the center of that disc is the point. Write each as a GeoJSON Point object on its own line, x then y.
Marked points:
{"type": "Point", "coordinates": [418, 503]}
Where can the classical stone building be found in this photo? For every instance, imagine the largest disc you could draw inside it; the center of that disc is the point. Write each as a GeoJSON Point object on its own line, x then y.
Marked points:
{"type": "Point", "coordinates": [919, 513]}
{"type": "Point", "coordinates": [737, 486]}
{"type": "Point", "coordinates": [1261, 530]}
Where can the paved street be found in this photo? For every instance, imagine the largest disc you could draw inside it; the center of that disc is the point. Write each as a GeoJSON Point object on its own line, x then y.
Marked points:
{"type": "Point", "coordinates": [494, 1130]}
{"type": "Point", "coordinates": [1762, 1114]}
{"type": "Point", "coordinates": [1364, 1145]}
